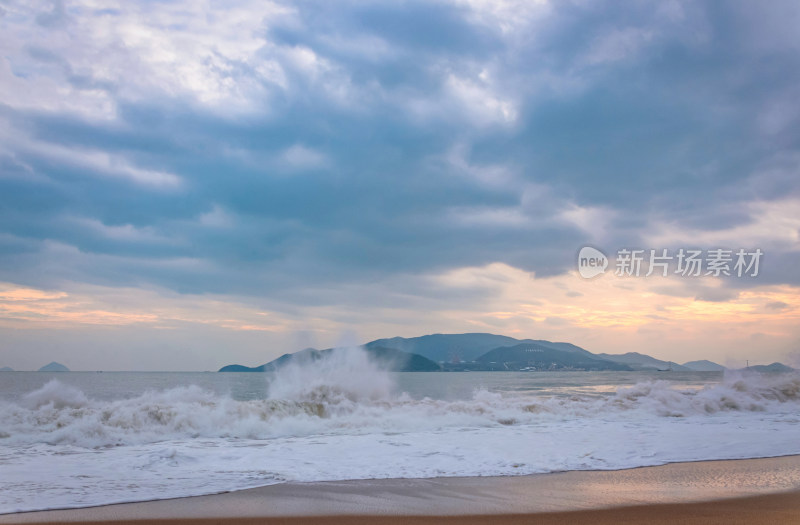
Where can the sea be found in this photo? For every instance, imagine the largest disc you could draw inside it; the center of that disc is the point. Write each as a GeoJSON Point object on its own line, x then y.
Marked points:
{"type": "Point", "coordinates": [79, 439]}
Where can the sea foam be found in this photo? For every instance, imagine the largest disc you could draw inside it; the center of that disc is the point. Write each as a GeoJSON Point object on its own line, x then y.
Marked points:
{"type": "Point", "coordinates": [342, 417]}
{"type": "Point", "coordinates": [346, 392]}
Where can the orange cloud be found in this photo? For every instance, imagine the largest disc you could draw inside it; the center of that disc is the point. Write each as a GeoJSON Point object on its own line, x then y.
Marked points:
{"type": "Point", "coordinates": [30, 308]}
{"type": "Point", "coordinates": [655, 315]}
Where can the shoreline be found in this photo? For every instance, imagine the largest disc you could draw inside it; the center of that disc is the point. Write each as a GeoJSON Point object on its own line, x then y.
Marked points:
{"type": "Point", "coordinates": [768, 509]}
{"type": "Point", "coordinates": [771, 484]}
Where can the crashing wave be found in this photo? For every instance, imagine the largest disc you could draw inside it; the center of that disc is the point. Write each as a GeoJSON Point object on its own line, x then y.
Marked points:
{"type": "Point", "coordinates": [348, 393]}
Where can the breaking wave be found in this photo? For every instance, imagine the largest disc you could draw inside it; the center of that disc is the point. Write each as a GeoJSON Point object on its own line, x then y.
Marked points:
{"type": "Point", "coordinates": [346, 393]}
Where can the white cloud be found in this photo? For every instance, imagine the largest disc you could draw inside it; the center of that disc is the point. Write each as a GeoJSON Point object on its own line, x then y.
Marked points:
{"type": "Point", "coordinates": [773, 224]}
{"type": "Point", "coordinates": [302, 157]}
{"type": "Point", "coordinates": [211, 56]}
{"type": "Point", "coordinates": [493, 217]}
{"type": "Point", "coordinates": [123, 232]}
{"type": "Point", "coordinates": [456, 160]}
{"type": "Point", "coordinates": [101, 163]}
{"type": "Point", "coordinates": [217, 218]}
{"type": "Point", "coordinates": [477, 100]}
{"type": "Point", "coordinates": [507, 16]}
{"type": "Point", "coordinates": [618, 45]}
{"type": "Point", "coordinates": [594, 220]}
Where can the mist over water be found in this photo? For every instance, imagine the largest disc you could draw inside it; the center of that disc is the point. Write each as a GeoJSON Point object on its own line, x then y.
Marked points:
{"type": "Point", "coordinates": [345, 374]}
{"type": "Point", "coordinates": [344, 417]}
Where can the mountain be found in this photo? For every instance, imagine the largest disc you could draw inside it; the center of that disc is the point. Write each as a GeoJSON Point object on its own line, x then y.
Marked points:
{"type": "Point", "coordinates": [241, 368]}
{"type": "Point", "coordinates": [774, 367]}
{"type": "Point", "coordinates": [704, 365]}
{"type": "Point", "coordinates": [483, 351]}
{"type": "Point", "coordinates": [402, 361]}
{"type": "Point", "coordinates": [307, 353]}
{"type": "Point", "coordinates": [446, 347]}
{"type": "Point", "coordinates": [6, 369]}
{"type": "Point", "coordinates": [638, 361]}
{"type": "Point", "coordinates": [534, 356]}
{"type": "Point", "coordinates": [565, 347]}
{"type": "Point", "coordinates": [388, 358]}
{"type": "Point", "coordinates": [464, 347]}
{"type": "Point", "coordinates": [54, 367]}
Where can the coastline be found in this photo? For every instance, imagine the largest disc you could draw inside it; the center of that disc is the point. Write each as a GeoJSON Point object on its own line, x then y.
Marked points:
{"type": "Point", "coordinates": [758, 510]}
{"type": "Point", "coordinates": [734, 491]}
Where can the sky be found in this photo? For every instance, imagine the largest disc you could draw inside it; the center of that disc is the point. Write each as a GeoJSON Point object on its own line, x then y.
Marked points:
{"type": "Point", "coordinates": [187, 184]}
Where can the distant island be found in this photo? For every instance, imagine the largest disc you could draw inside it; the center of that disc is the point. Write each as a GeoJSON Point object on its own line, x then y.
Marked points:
{"type": "Point", "coordinates": [774, 367]}
{"type": "Point", "coordinates": [537, 356]}
{"type": "Point", "coordinates": [390, 358]}
{"type": "Point", "coordinates": [6, 369]}
{"type": "Point", "coordinates": [704, 366]}
{"type": "Point", "coordinates": [54, 367]}
{"type": "Point", "coordinates": [490, 352]}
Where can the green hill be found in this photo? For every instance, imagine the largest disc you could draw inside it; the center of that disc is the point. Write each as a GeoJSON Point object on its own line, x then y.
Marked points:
{"type": "Point", "coordinates": [463, 347]}
{"type": "Point", "coordinates": [774, 367]}
{"type": "Point", "coordinates": [638, 361]}
{"type": "Point", "coordinates": [533, 356]}
{"type": "Point", "coordinates": [388, 358]}
{"type": "Point", "coordinates": [54, 367]}
{"type": "Point", "coordinates": [704, 365]}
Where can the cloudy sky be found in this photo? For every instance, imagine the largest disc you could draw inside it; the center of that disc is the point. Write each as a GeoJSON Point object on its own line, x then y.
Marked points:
{"type": "Point", "coordinates": [185, 185]}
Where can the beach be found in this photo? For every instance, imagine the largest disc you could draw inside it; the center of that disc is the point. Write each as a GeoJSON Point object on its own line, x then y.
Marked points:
{"type": "Point", "coordinates": [521, 444]}
{"type": "Point", "coordinates": [452, 261]}
{"type": "Point", "coordinates": [737, 491]}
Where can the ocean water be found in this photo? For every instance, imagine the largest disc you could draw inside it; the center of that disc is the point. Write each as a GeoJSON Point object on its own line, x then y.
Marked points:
{"type": "Point", "coordinates": [82, 439]}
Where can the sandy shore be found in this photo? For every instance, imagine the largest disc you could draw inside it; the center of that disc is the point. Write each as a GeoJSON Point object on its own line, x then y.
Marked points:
{"type": "Point", "coordinates": [742, 491]}
{"type": "Point", "coordinates": [758, 510]}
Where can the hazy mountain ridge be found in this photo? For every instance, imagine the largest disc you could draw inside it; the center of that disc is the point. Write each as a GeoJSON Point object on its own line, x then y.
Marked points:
{"type": "Point", "coordinates": [455, 350]}
{"type": "Point", "coordinates": [391, 358]}
{"type": "Point", "coordinates": [704, 365]}
{"type": "Point", "coordinates": [465, 347]}
{"type": "Point", "coordinates": [447, 347]}
{"type": "Point", "coordinates": [773, 367]}
{"type": "Point", "coordinates": [462, 351]}
{"type": "Point", "coordinates": [533, 356]}
{"type": "Point", "coordinates": [54, 367]}
{"type": "Point", "coordinates": [486, 352]}
{"type": "Point", "coordinates": [639, 361]}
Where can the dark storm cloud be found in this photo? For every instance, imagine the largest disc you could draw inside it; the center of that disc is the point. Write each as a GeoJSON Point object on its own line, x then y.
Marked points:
{"type": "Point", "coordinates": [655, 117]}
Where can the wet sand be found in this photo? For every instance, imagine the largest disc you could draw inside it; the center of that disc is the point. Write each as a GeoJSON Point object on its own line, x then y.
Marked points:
{"type": "Point", "coordinates": [741, 491]}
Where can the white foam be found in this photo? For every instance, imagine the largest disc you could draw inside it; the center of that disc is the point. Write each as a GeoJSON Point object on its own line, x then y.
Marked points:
{"type": "Point", "coordinates": [55, 395]}
{"type": "Point", "coordinates": [339, 418]}
{"type": "Point", "coordinates": [344, 374]}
